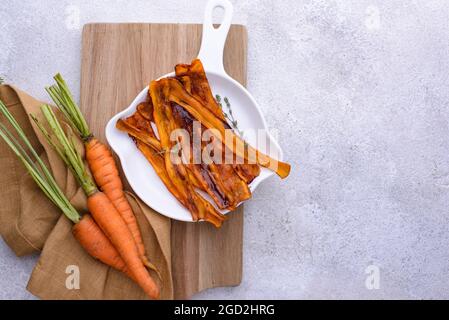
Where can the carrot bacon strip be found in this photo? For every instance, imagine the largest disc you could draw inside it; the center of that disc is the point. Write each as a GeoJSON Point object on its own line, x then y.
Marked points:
{"type": "Point", "coordinates": [211, 176]}
{"type": "Point", "coordinates": [193, 77]}
{"type": "Point", "coordinates": [176, 103]}
{"type": "Point", "coordinates": [139, 134]}
{"type": "Point", "coordinates": [157, 161]}
{"type": "Point", "coordinates": [176, 93]}
{"type": "Point", "coordinates": [195, 81]}
{"type": "Point", "coordinates": [201, 176]}
{"type": "Point", "coordinates": [163, 117]}
{"type": "Point", "coordinates": [152, 150]}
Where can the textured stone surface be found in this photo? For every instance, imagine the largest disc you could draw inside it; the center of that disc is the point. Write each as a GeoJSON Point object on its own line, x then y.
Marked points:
{"type": "Point", "coordinates": [359, 93]}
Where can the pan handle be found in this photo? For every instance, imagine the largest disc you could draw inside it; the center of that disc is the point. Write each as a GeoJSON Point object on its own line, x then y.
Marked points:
{"type": "Point", "coordinates": [214, 39]}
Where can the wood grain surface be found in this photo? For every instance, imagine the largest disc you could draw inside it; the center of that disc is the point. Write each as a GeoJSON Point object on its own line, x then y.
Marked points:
{"type": "Point", "coordinates": [118, 61]}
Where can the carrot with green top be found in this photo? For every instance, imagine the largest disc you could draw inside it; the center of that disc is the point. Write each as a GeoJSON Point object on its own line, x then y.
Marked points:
{"type": "Point", "coordinates": [100, 161]}
{"type": "Point", "coordinates": [100, 206]}
{"type": "Point", "coordinates": [85, 230]}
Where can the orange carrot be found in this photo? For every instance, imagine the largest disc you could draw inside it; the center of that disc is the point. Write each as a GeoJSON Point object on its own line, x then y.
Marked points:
{"type": "Point", "coordinates": [100, 160]}
{"type": "Point", "coordinates": [112, 224]}
{"type": "Point", "coordinates": [97, 244]}
{"type": "Point", "coordinates": [100, 206]}
{"type": "Point", "coordinates": [106, 175]}
{"type": "Point", "coordinates": [85, 229]}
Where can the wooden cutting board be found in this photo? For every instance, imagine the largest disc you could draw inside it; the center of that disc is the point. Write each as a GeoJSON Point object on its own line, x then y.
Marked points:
{"type": "Point", "coordinates": [118, 60]}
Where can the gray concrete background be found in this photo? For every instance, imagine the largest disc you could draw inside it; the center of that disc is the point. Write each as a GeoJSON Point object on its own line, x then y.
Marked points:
{"type": "Point", "coordinates": [359, 92]}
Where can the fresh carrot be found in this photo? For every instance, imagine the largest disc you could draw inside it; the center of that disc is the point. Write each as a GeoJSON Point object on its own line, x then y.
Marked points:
{"type": "Point", "coordinates": [106, 175]}
{"type": "Point", "coordinates": [85, 230]}
{"type": "Point", "coordinates": [117, 231]}
{"type": "Point", "coordinates": [100, 206]}
{"type": "Point", "coordinates": [100, 161]}
{"type": "Point", "coordinates": [97, 244]}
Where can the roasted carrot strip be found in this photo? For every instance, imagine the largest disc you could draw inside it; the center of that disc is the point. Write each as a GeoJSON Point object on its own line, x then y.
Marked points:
{"type": "Point", "coordinates": [176, 93]}
{"type": "Point", "coordinates": [151, 149]}
{"type": "Point", "coordinates": [163, 117]}
{"type": "Point", "coordinates": [157, 161]}
{"type": "Point", "coordinates": [194, 79]}
{"type": "Point", "coordinates": [139, 134]}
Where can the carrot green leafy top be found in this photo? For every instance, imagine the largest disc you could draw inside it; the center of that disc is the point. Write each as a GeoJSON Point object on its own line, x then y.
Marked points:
{"type": "Point", "coordinates": [36, 168]}
{"type": "Point", "coordinates": [64, 145]}
{"type": "Point", "coordinates": [63, 98]}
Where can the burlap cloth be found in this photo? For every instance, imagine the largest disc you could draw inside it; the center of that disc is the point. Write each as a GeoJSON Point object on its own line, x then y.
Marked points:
{"type": "Point", "coordinates": [29, 222]}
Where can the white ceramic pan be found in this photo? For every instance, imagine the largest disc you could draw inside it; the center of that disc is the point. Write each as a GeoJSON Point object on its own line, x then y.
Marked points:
{"type": "Point", "coordinates": [140, 174]}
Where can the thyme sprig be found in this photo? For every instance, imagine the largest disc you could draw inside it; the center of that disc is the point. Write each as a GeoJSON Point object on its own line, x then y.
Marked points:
{"type": "Point", "coordinates": [228, 115]}
{"type": "Point", "coordinates": [173, 150]}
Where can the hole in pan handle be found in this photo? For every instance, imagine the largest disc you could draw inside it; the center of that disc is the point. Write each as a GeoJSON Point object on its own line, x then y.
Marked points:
{"type": "Point", "coordinates": [214, 39]}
